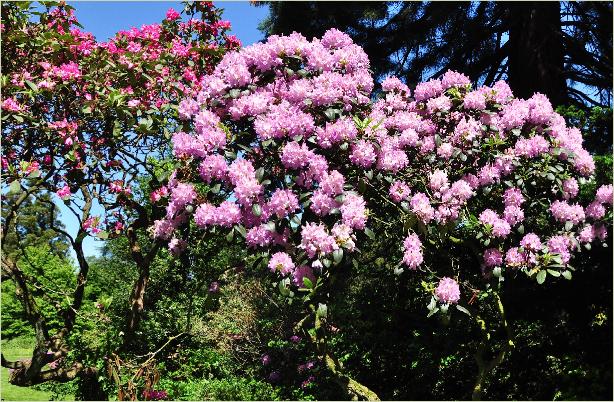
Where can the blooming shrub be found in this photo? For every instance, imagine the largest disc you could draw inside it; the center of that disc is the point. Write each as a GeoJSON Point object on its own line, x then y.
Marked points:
{"type": "Point", "coordinates": [287, 141]}
{"type": "Point", "coordinates": [266, 130]}
{"type": "Point", "coordinates": [77, 112]}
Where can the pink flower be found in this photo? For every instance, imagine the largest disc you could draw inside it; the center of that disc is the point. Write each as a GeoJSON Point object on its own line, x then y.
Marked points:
{"type": "Point", "coordinates": [259, 236]}
{"type": "Point", "coordinates": [10, 105]}
{"type": "Point", "coordinates": [412, 256]}
{"type": "Point", "coordinates": [421, 206]}
{"type": "Point", "coordinates": [363, 154]}
{"type": "Point", "coordinates": [283, 203]}
{"type": "Point", "coordinates": [448, 291]}
{"type": "Point", "coordinates": [353, 211]}
{"type": "Point", "coordinates": [281, 262]}
{"type": "Point", "coordinates": [172, 15]}
{"type": "Point", "coordinates": [332, 183]}
{"type": "Point", "coordinates": [570, 188]}
{"type": "Point", "coordinates": [177, 246]}
{"type": "Point", "coordinates": [531, 242]}
{"type": "Point", "coordinates": [315, 240]}
{"type": "Point", "coordinates": [64, 192]}
{"type": "Point", "coordinates": [604, 194]}
{"type": "Point", "coordinates": [513, 196]}
{"type": "Point", "coordinates": [514, 257]}
{"type": "Point", "coordinates": [322, 203]}
{"type": "Point", "coordinates": [492, 257]}
{"type": "Point", "coordinates": [399, 191]}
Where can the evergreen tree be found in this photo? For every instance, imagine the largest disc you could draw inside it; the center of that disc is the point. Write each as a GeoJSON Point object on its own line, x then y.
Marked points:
{"type": "Point", "coordinates": [561, 49]}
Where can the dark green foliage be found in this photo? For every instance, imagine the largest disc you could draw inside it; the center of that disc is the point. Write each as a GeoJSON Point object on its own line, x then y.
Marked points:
{"type": "Point", "coordinates": [536, 46]}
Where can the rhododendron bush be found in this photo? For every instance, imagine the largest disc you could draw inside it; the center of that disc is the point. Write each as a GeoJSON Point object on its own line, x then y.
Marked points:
{"type": "Point", "coordinates": [85, 120]}
{"type": "Point", "coordinates": [284, 148]}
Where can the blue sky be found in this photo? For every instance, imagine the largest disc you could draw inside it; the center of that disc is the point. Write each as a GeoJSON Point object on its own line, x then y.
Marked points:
{"type": "Point", "coordinates": [103, 19]}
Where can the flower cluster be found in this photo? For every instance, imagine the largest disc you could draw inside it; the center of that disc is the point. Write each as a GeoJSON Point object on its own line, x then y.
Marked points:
{"type": "Point", "coordinates": [126, 85]}
{"type": "Point", "coordinates": [287, 131]}
{"type": "Point", "coordinates": [267, 124]}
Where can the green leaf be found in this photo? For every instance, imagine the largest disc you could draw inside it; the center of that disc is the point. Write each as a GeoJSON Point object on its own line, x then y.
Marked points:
{"type": "Point", "coordinates": [216, 189]}
{"type": "Point", "coordinates": [568, 226]}
{"type": "Point", "coordinates": [322, 310]}
{"type": "Point", "coordinates": [541, 277]}
{"type": "Point", "coordinates": [102, 235]}
{"type": "Point", "coordinates": [433, 311]}
{"type": "Point", "coordinates": [370, 233]}
{"type": "Point", "coordinates": [15, 187]}
{"type": "Point", "coordinates": [330, 113]}
{"type": "Point", "coordinates": [338, 255]}
{"type": "Point", "coordinates": [32, 85]}
{"type": "Point", "coordinates": [230, 235]}
{"type": "Point", "coordinates": [463, 310]}
{"type": "Point", "coordinates": [307, 283]}
{"type": "Point", "coordinates": [241, 230]}
{"type": "Point", "coordinates": [566, 275]}
{"type": "Point", "coordinates": [256, 209]}
{"type": "Point", "coordinates": [554, 273]}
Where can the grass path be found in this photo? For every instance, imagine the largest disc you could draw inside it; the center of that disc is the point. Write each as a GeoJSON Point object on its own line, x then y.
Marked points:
{"type": "Point", "coordinates": [16, 349]}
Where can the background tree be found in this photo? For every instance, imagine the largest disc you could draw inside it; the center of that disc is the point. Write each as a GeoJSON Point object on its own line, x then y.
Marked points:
{"type": "Point", "coordinates": [561, 49]}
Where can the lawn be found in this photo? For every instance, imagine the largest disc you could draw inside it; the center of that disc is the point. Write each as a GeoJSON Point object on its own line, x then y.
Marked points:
{"type": "Point", "coordinates": [20, 348]}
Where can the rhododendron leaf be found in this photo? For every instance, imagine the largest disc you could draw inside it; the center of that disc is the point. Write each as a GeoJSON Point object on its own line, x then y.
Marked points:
{"type": "Point", "coordinates": [230, 235]}
{"type": "Point", "coordinates": [234, 93]}
{"type": "Point", "coordinates": [34, 174]}
{"type": "Point", "coordinates": [587, 246]}
{"type": "Point", "coordinates": [103, 235]}
{"type": "Point", "coordinates": [369, 174]}
{"type": "Point", "coordinates": [31, 85]}
{"type": "Point", "coordinates": [241, 230]}
{"type": "Point", "coordinates": [370, 233]}
{"type": "Point", "coordinates": [260, 174]}
{"type": "Point", "coordinates": [554, 273]}
{"type": "Point", "coordinates": [521, 229]}
{"type": "Point", "coordinates": [432, 304]}
{"type": "Point", "coordinates": [330, 113]}
{"type": "Point", "coordinates": [18, 118]}
{"type": "Point", "coordinates": [257, 209]}
{"type": "Point", "coordinates": [568, 225]}
{"type": "Point", "coordinates": [566, 275]}
{"type": "Point", "coordinates": [15, 186]}
{"type": "Point", "coordinates": [322, 311]}
{"type": "Point", "coordinates": [326, 262]}
{"type": "Point", "coordinates": [307, 283]}
{"type": "Point", "coordinates": [433, 311]}
{"type": "Point", "coordinates": [216, 189]}
{"type": "Point", "coordinates": [463, 310]}
{"type": "Point", "coordinates": [338, 255]}
{"type": "Point", "coordinates": [541, 276]}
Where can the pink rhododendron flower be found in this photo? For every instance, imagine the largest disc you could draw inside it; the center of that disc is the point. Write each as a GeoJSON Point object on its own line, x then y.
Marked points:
{"type": "Point", "coordinates": [448, 291]}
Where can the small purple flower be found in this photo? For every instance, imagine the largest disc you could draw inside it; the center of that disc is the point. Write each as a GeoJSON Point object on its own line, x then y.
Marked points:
{"type": "Point", "coordinates": [266, 360]}
{"type": "Point", "coordinates": [275, 376]}
{"type": "Point", "coordinates": [214, 287]}
{"type": "Point", "coordinates": [295, 339]}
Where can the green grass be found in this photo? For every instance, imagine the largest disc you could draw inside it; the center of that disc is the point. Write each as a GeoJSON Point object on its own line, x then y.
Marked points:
{"type": "Point", "coordinates": [15, 349]}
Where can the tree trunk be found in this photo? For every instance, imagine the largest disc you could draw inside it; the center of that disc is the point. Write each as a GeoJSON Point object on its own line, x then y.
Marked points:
{"type": "Point", "coordinates": [536, 54]}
